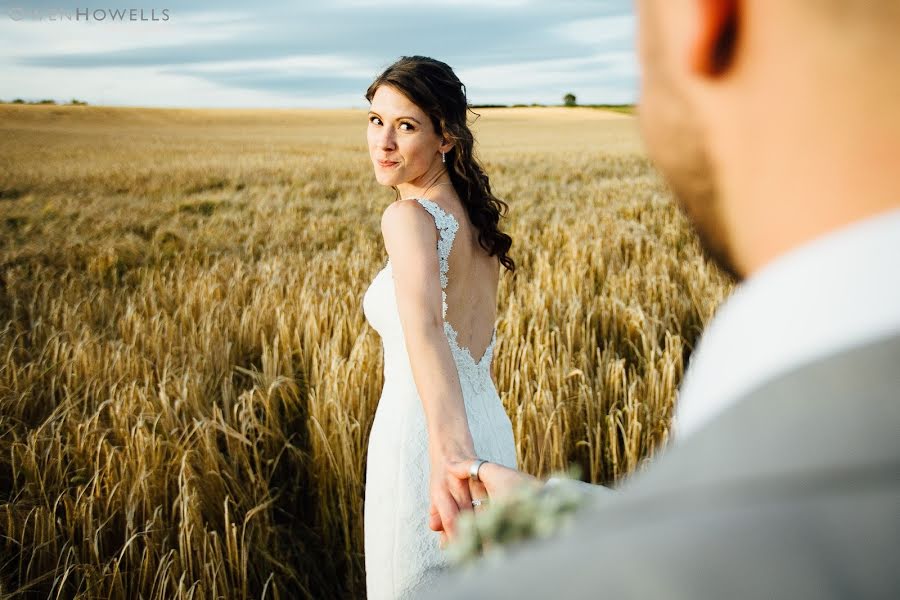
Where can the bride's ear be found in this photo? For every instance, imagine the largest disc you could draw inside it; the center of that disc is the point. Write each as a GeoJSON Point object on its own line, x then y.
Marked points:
{"type": "Point", "coordinates": [446, 145]}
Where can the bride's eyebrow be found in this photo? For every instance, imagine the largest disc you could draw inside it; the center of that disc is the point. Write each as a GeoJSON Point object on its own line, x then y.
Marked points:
{"type": "Point", "coordinates": [372, 112]}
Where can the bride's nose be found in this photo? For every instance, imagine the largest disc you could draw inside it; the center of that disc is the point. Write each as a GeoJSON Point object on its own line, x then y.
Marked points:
{"type": "Point", "coordinates": [386, 139]}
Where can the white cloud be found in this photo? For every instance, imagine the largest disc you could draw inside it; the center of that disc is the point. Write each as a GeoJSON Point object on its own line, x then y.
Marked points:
{"type": "Point", "coordinates": [129, 86]}
{"type": "Point", "coordinates": [600, 31]}
{"type": "Point", "coordinates": [331, 64]}
{"type": "Point", "coordinates": [594, 79]}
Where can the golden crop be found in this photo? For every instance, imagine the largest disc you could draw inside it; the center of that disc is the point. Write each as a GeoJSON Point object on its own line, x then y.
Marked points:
{"type": "Point", "coordinates": [186, 378]}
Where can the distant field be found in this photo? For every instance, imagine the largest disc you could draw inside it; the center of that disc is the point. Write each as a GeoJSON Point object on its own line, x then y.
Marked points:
{"type": "Point", "coordinates": [186, 378]}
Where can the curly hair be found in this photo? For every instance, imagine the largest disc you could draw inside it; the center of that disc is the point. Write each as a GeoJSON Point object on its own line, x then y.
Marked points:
{"type": "Point", "coordinates": [434, 87]}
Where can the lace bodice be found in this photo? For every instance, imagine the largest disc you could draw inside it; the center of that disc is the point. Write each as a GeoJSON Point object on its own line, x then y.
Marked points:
{"type": "Point", "coordinates": [475, 372]}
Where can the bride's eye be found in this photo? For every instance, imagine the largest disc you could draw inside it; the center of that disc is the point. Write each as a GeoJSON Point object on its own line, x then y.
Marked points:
{"type": "Point", "coordinates": [373, 118]}
{"type": "Point", "coordinates": [410, 125]}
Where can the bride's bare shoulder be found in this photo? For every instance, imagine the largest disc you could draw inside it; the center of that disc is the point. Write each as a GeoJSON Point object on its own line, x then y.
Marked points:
{"type": "Point", "coordinates": [406, 227]}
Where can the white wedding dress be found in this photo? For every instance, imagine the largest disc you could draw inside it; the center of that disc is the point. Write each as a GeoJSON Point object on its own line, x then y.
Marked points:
{"type": "Point", "coordinates": [402, 554]}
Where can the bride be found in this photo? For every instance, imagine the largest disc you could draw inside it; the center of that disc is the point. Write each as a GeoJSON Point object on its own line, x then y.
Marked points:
{"type": "Point", "coordinates": [434, 306]}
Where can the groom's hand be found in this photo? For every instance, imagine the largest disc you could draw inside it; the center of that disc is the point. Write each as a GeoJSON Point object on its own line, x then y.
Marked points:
{"type": "Point", "coordinates": [496, 479]}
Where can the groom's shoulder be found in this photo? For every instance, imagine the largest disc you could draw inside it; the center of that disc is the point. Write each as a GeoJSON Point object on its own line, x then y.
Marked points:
{"type": "Point", "coordinates": [838, 413]}
{"type": "Point", "coordinates": [792, 491]}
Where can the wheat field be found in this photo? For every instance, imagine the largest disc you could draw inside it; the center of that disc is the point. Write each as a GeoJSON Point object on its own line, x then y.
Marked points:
{"type": "Point", "coordinates": [186, 378]}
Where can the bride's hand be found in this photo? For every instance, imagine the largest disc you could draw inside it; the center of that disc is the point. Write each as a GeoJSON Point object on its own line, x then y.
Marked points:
{"type": "Point", "coordinates": [450, 494]}
{"type": "Point", "coordinates": [476, 490]}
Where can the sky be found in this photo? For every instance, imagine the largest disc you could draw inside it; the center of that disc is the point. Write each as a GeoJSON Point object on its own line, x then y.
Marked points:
{"type": "Point", "coordinates": [311, 53]}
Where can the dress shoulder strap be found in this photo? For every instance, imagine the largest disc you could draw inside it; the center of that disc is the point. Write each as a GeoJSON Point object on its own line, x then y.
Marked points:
{"type": "Point", "coordinates": [447, 225]}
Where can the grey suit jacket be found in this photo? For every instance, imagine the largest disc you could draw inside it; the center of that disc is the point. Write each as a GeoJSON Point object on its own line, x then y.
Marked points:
{"type": "Point", "coordinates": [793, 492]}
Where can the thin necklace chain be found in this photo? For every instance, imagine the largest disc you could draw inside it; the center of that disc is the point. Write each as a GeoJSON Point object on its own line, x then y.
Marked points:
{"type": "Point", "coordinates": [434, 185]}
{"type": "Point", "coordinates": [437, 184]}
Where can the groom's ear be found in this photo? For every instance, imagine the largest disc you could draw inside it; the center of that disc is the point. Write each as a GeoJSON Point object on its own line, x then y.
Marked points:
{"type": "Point", "coordinates": [715, 39]}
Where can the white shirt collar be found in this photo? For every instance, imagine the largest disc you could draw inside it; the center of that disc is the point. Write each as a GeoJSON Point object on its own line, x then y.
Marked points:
{"type": "Point", "coordinates": [834, 292]}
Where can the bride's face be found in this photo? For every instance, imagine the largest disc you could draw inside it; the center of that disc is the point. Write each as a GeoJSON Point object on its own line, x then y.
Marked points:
{"type": "Point", "coordinates": [403, 145]}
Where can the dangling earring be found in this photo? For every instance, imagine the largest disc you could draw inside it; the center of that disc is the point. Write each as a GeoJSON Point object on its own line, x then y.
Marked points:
{"type": "Point", "coordinates": [443, 158]}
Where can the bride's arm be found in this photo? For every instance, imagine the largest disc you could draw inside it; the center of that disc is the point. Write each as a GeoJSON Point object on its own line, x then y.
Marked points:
{"type": "Point", "coordinates": [410, 238]}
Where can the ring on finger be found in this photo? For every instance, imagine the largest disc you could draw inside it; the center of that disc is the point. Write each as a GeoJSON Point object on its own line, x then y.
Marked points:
{"type": "Point", "coordinates": [474, 467]}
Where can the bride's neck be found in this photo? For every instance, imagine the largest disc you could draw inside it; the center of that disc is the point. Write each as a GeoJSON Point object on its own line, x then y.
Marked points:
{"type": "Point", "coordinates": [421, 188]}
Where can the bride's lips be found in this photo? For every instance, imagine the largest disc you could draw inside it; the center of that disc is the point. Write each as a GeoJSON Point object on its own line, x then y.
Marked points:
{"type": "Point", "coordinates": [387, 164]}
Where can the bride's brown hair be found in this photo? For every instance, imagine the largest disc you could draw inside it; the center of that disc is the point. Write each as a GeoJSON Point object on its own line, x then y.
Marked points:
{"type": "Point", "coordinates": [434, 87]}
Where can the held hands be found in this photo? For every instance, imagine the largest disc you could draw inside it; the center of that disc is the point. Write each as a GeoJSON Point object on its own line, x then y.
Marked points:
{"type": "Point", "coordinates": [495, 482]}
{"type": "Point", "coordinates": [522, 508]}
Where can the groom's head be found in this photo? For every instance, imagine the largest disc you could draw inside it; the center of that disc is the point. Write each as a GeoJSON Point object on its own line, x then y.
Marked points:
{"type": "Point", "coordinates": [774, 121]}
